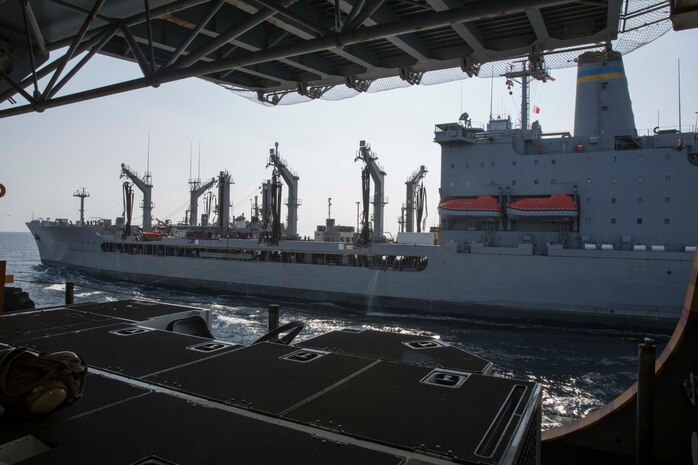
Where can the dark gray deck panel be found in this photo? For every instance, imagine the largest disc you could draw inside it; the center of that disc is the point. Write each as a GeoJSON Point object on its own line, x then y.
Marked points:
{"type": "Point", "coordinates": [99, 391]}
{"type": "Point", "coordinates": [25, 325]}
{"type": "Point", "coordinates": [257, 378]}
{"type": "Point", "coordinates": [134, 310]}
{"type": "Point", "coordinates": [413, 415]}
{"type": "Point", "coordinates": [135, 355]}
{"type": "Point", "coordinates": [183, 433]}
{"type": "Point", "coordinates": [390, 346]}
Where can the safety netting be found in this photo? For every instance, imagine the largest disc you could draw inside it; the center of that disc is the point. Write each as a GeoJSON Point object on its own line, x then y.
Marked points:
{"type": "Point", "coordinates": [640, 22]}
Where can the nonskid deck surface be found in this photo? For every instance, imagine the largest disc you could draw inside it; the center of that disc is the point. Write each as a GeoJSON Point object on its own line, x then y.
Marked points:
{"type": "Point", "coordinates": [347, 397]}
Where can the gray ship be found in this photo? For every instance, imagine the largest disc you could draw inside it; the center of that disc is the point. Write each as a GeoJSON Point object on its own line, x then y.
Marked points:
{"type": "Point", "coordinates": [598, 226]}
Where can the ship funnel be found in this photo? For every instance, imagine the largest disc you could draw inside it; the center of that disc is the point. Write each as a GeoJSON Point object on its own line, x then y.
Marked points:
{"type": "Point", "coordinates": [603, 101]}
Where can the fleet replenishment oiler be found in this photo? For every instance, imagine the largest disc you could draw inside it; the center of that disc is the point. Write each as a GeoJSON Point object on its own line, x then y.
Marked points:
{"type": "Point", "coordinates": [597, 226]}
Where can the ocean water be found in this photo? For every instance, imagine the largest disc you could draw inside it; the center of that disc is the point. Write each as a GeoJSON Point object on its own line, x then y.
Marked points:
{"type": "Point", "coordinates": [580, 369]}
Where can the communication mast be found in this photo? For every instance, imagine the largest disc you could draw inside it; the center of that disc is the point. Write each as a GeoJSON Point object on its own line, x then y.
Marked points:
{"type": "Point", "coordinates": [82, 194]}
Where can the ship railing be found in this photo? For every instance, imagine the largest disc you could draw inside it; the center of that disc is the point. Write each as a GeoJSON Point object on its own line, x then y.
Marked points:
{"type": "Point", "coordinates": [444, 127]}
{"type": "Point", "coordinates": [298, 201]}
{"type": "Point", "coordinates": [683, 129]}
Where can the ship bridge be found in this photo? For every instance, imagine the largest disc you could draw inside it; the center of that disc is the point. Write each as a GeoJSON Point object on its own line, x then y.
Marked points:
{"type": "Point", "coordinates": [289, 51]}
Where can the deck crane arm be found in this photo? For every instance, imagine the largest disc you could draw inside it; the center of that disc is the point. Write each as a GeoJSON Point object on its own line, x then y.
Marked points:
{"type": "Point", "coordinates": [291, 180]}
{"type": "Point", "coordinates": [377, 175]}
{"type": "Point", "coordinates": [146, 187]}
{"type": "Point", "coordinates": [412, 183]}
{"type": "Point", "coordinates": [196, 191]}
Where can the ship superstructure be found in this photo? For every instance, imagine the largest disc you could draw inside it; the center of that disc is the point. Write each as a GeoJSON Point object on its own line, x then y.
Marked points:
{"type": "Point", "coordinates": [601, 188]}
{"type": "Point", "coordinates": [595, 226]}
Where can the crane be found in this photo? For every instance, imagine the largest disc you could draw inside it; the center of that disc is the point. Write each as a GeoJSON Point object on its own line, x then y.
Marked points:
{"type": "Point", "coordinates": [291, 180]}
{"type": "Point", "coordinates": [196, 190]}
{"type": "Point", "coordinates": [412, 183]}
{"type": "Point", "coordinates": [378, 175]}
{"type": "Point", "coordinates": [145, 186]}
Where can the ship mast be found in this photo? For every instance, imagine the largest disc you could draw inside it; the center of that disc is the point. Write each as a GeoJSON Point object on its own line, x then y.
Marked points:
{"type": "Point", "coordinates": [532, 68]}
{"type": "Point", "coordinates": [82, 194]}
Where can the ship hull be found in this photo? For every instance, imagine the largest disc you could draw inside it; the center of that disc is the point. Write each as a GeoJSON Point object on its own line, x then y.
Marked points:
{"type": "Point", "coordinates": [614, 288]}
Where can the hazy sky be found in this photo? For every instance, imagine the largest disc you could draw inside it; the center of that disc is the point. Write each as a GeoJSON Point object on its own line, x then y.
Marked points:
{"type": "Point", "coordinates": [45, 157]}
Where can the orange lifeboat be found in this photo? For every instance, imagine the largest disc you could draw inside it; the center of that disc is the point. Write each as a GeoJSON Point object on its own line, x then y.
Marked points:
{"type": "Point", "coordinates": [557, 207]}
{"type": "Point", "coordinates": [151, 236]}
{"type": "Point", "coordinates": [483, 208]}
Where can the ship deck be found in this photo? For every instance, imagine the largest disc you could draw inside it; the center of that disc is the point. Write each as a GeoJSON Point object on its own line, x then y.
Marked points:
{"type": "Point", "coordinates": [350, 396]}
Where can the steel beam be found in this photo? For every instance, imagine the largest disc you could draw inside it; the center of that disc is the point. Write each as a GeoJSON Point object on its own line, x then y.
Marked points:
{"type": "Point", "coordinates": [359, 57]}
{"type": "Point", "coordinates": [149, 24]}
{"type": "Point", "coordinates": [476, 10]}
{"type": "Point", "coordinates": [411, 46]}
{"type": "Point", "coordinates": [538, 24]}
{"type": "Point", "coordinates": [354, 21]}
{"type": "Point", "coordinates": [156, 13]}
{"type": "Point", "coordinates": [82, 62]}
{"type": "Point", "coordinates": [294, 17]}
{"type": "Point", "coordinates": [194, 33]}
{"type": "Point", "coordinates": [43, 72]}
{"type": "Point", "coordinates": [73, 46]}
{"type": "Point", "coordinates": [17, 87]}
{"type": "Point", "coordinates": [78, 97]}
{"type": "Point", "coordinates": [30, 48]}
{"type": "Point", "coordinates": [136, 50]}
{"type": "Point", "coordinates": [226, 37]}
{"type": "Point", "coordinates": [36, 30]}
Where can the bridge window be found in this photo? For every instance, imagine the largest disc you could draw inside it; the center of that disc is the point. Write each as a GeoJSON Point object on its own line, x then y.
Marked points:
{"type": "Point", "coordinates": [667, 220]}
{"type": "Point", "coordinates": [613, 221]}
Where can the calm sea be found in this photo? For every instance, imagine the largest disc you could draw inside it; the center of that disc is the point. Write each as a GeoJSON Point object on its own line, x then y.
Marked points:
{"type": "Point", "coordinates": [580, 369]}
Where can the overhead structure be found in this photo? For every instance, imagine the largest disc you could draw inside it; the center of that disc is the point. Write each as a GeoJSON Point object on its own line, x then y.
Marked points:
{"type": "Point", "coordinates": [281, 52]}
{"type": "Point", "coordinates": [196, 190]}
{"type": "Point", "coordinates": [146, 187]}
{"type": "Point", "coordinates": [411, 198]}
{"type": "Point", "coordinates": [377, 174]}
{"type": "Point", "coordinates": [291, 180]}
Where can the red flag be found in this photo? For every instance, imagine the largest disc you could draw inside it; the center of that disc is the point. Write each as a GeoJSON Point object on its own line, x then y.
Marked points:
{"type": "Point", "coordinates": [536, 109]}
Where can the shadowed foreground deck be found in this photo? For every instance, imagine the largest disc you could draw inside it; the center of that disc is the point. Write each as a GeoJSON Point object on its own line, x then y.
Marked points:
{"type": "Point", "coordinates": [159, 397]}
